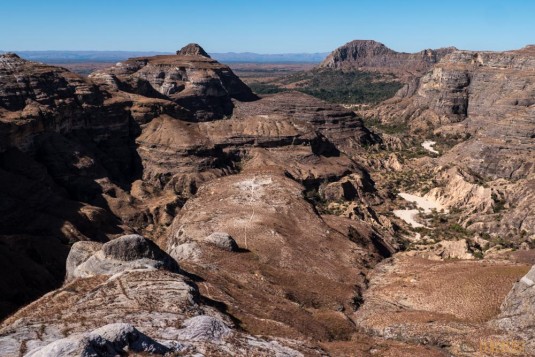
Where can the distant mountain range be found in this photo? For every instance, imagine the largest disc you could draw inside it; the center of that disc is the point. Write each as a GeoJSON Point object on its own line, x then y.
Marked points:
{"type": "Point", "coordinates": [115, 56]}
{"type": "Point", "coordinates": [269, 58]}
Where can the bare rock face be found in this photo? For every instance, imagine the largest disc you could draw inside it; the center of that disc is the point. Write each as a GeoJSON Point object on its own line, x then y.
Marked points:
{"type": "Point", "coordinates": [143, 311]}
{"type": "Point", "coordinates": [130, 252]}
{"type": "Point", "coordinates": [80, 252]}
{"type": "Point", "coordinates": [41, 85]}
{"type": "Point", "coordinates": [375, 56]}
{"type": "Point", "coordinates": [517, 310]}
{"type": "Point", "coordinates": [63, 144]}
{"type": "Point", "coordinates": [132, 247]}
{"type": "Point", "coordinates": [190, 79]}
{"type": "Point", "coordinates": [203, 328]}
{"type": "Point", "coordinates": [192, 49]}
{"type": "Point", "coordinates": [109, 339]}
{"type": "Point", "coordinates": [222, 240]}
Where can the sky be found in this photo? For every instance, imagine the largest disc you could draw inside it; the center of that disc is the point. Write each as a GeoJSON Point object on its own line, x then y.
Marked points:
{"type": "Point", "coordinates": [264, 26]}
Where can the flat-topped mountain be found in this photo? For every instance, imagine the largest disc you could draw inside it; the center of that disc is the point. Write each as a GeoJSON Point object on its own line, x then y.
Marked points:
{"type": "Point", "coordinates": [359, 72]}
{"type": "Point", "coordinates": [371, 55]}
{"type": "Point", "coordinates": [191, 79]}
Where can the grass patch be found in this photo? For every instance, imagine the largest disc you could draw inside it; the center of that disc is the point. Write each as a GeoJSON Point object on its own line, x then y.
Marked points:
{"type": "Point", "coordinates": [390, 128]}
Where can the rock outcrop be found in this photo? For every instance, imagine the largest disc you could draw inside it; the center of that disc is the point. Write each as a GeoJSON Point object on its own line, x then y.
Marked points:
{"type": "Point", "coordinates": [190, 79]}
{"type": "Point", "coordinates": [130, 252]}
{"type": "Point", "coordinates": [192, 49]}
{"type": "Point", "coordinates": [483, 100]}
{"type": "Point", "coordinates": [517, 313]}
{"type": "Point", "coordinates": [223, 241]}
{"type": "Point", "coordinates": [370, 55]}
{"type": "Point", "coordinates": [135, 309]}
{"type": "Point", "coordinates": [109, 339]}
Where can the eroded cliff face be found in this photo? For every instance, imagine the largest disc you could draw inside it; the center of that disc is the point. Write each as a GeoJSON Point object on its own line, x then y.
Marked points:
{"type": "Point", "coordinates": [191, 79]}
{"type": "Point", "coordinates": [64, 145]}
{"type": "Point", "coordinates": [487, 100]}
{"type": "Point", "coordinates": [368, 55]}
{"type": "Point", "coordinates": [128, 295]}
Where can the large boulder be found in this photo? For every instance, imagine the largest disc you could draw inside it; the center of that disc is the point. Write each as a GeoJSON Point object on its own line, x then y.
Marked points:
{"type": "Point", "coordinates": [223, 241]}
{"type": "Point", "coordinates": [79, 253]}
{"type": "Point", "coordinates": [129, 252]}
{"type": "Point", "coordinates": [133, 247]}
{"type": "Point", "coordinates": [109, 340]}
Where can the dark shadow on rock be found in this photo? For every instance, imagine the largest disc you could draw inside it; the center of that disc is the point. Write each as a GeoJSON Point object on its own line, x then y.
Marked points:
{"type": "Point", "coordinates": [194, 277]}
{"type": "Point", "coordinates": [222, 307]}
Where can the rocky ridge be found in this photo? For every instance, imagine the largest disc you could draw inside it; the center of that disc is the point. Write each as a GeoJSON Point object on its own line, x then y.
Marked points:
{"type": "Point", "coordinates": [370, 55]}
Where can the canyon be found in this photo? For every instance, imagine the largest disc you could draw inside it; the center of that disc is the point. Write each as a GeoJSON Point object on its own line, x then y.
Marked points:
{"type": "Point", "coordinates": [161, 206]}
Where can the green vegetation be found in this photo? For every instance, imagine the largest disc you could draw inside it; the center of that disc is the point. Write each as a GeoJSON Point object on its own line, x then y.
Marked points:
{"type": "Point", "coordinates": [335, 86]}
{"type": "Point", "coordinates": [265, 88]}
{"type": "Point", "coordinates": [390, 128]}
{"type": "Point", "coordinates": [351, 87]}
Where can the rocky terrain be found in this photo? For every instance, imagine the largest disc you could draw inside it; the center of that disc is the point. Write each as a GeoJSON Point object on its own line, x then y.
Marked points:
{"type": "Point", "coordinates": [480, 107]}
{"type": "Point", "coordinates": [357, 74]}
{"type": "Point", "coordinates": [159, 206]}
{"type": "Point", "coordinates": [369, 55]}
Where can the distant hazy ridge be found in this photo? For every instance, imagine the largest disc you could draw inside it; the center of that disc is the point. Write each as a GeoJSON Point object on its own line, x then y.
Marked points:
{"type": "Point", "coordinates": [114, 56]}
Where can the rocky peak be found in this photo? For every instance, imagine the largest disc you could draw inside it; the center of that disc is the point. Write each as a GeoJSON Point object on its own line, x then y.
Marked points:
{"type": "Point", "coordinates": [528, 48]}
{"type": "Point", "coordinates": [191, 79]}
{"type": "Point", "coordinates": [192, 49]}
{"type": "Point", "coordinates": [357, 50]}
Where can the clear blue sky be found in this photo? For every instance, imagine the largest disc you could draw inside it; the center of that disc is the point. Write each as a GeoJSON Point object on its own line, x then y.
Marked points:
{"type": "Point", "coordinates": [264, 26]}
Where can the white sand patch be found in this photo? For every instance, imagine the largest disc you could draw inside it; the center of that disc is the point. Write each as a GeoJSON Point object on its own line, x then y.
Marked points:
{"type": "Point", "coordinates": [424, 203]}
{"type": "Point", "coordinates": [428, 145]}
{"type": "Point", "coordinates": [409, 216]}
